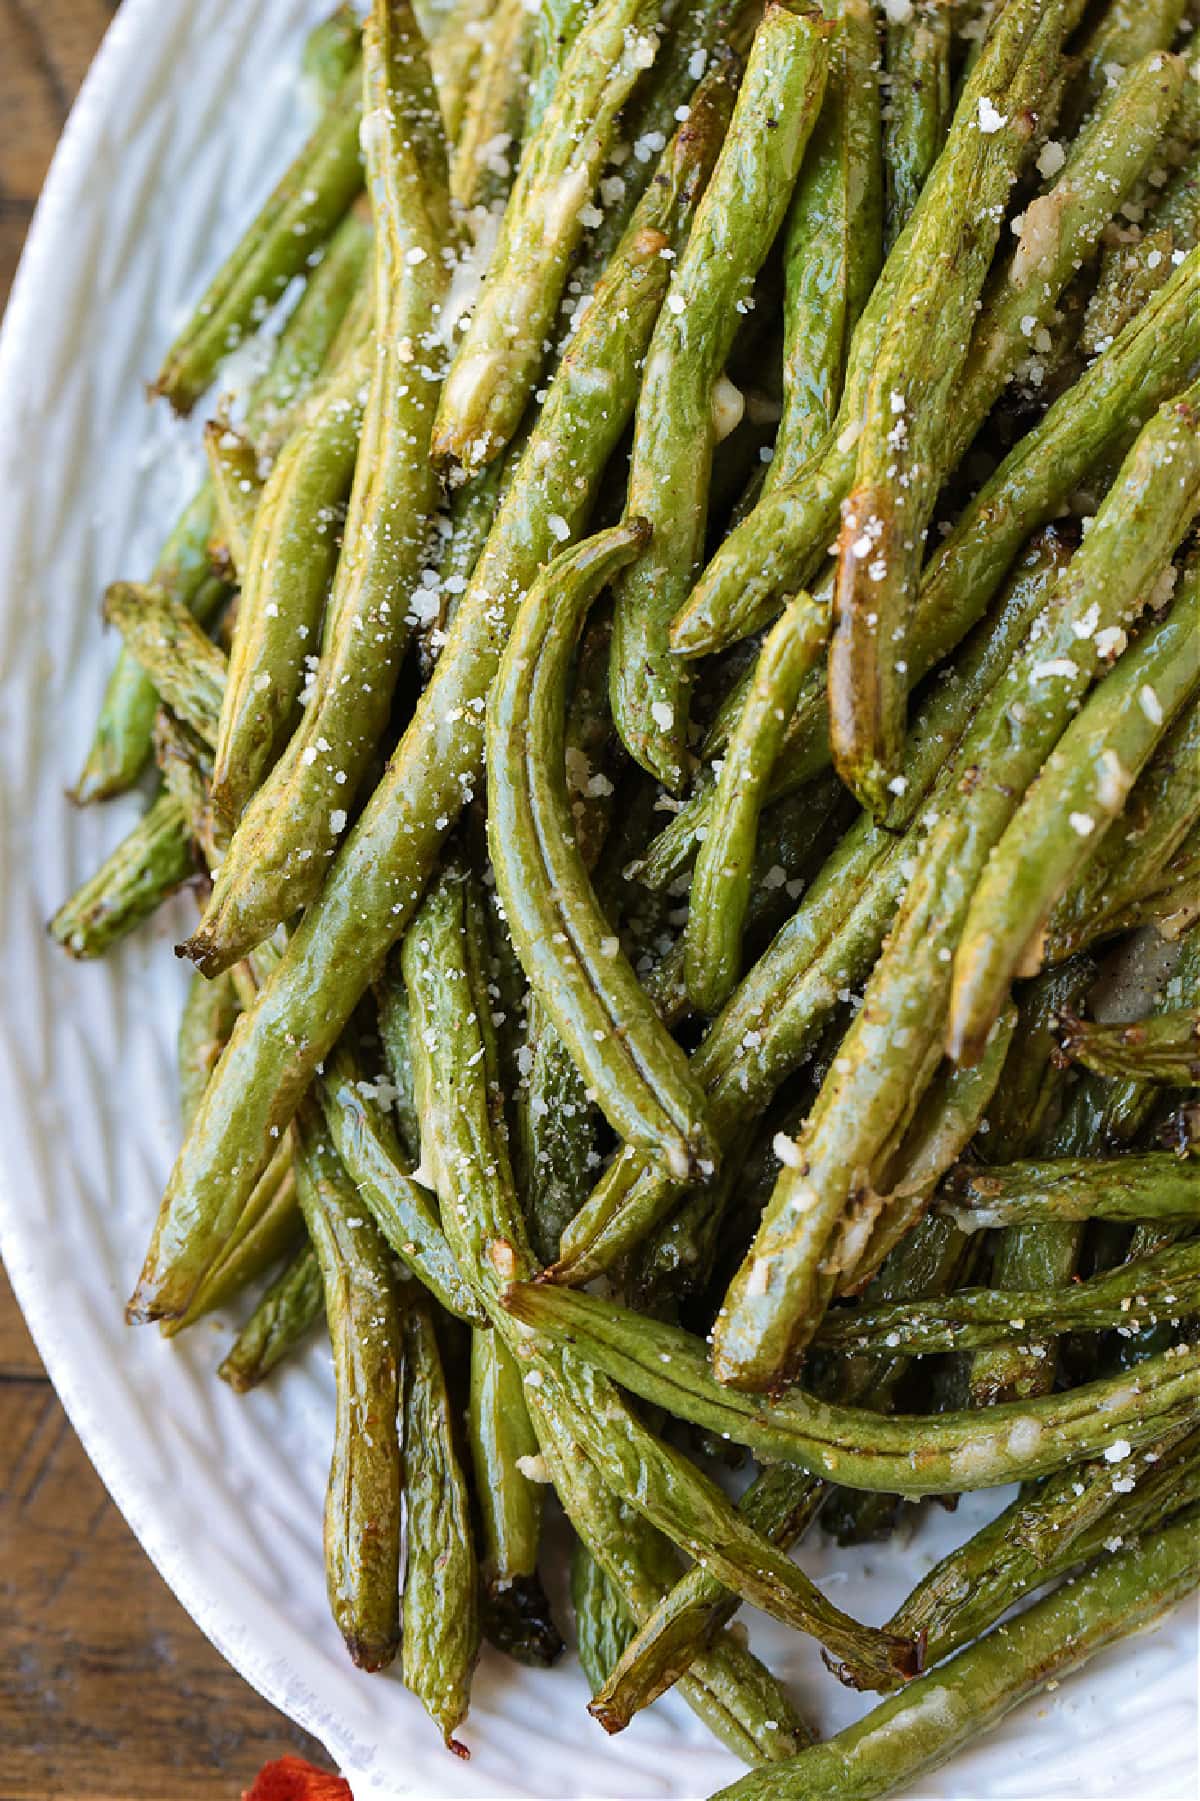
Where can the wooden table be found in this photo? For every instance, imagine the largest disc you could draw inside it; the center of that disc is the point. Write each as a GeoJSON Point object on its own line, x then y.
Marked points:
{"type": "Point", "coordinates": [108, 1692]}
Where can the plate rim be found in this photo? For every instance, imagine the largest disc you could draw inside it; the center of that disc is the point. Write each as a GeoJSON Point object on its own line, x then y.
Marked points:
{"type": "Point", "coordinates": [64, 183]}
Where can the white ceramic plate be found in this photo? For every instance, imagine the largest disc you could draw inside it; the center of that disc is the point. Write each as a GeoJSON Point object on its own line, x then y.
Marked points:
{"type": "Point", "coordinates": [184, 120]}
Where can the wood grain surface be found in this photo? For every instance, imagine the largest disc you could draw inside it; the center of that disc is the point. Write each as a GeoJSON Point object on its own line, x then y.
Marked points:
{"type": "Point", "coordinates": [108, 1692]}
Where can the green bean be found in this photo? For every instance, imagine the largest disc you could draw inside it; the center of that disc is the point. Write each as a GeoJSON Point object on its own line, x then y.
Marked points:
{"type": "Point", "coordinates": [1065, 1521]}
{"type": "Point", "coordinates": [1165, 1049]}
{"type": "Point", "coordinates": [1081, 790]}
{"type": "Point", "coordinates": [504, 1449]}
{"type": "Point", "coordinates": [1154, 1185]}
{"type": "Point", "coordinates": [204, 1028]}
{"type": "Point", "coordinates": [440, 961]}
{"type": "Point", "coordinates": [702, 35]}
{"type": "Point", "coordinates": [331, 50]}
{"type": "Point", "coordinates": [778, 1296]}
{"type": "Point", "coordinates": [726, 1687]}
{"type": "Point", "coordinates": [919, 46]}
{"type": "Point", "coordinates": [184, 664]}
{"type": "Point", "coordinates": [298, 216]}
{"type": "Point", "coordinates": [472, 513]}
{"type": "Point", "coordinates": [395, 1032]}
{"type": "Point", "coordinates": [557, 26]}
{"type": "Point", "coordinates": [943, 1125]}
{"type": "Point", "coordinates": [1120, 36]}
{"type": "Point", "coordinates": [121, 743]}
{"type": "Point", "coordinates": [674, 1496]}
{"type": "Point", "coordinates": [1023, 1120]}
{"type": "Point", "coordinates": [907, 448]}
{"type": "Point", "coordinates": [329, 311]}
{"type": "Point", "coordinates": [1145, 1291]}
{"type": "Point", "coordinates": [947, 1453]}
{"type": "Point", "coordinates": [497, 362]}
{"type": "Point", "coordinates": [679, 408]}
{"type": "Point", "coordinates": [917, 1731]}
{"type": "Point", "coordinates": [458, 1093]}
{"type": "Point", "coordinates": [454, 55]}
{"type": "Point", "coordinates": [769, 553]}
{"type": "Point", "coordinates": [283, 1317]}
{"type": "Point", "coordinates": [833, 243]}
{"type": "Point", "coordinates": [575, 966]}
{"type": "Point", "coordinates": [603, 1623]}
{"type": "Point", "coordinates": [440, 1607]}
{"type": "Point", "coordinates": [492, 121]}
{"type": "Point", "coordinates": [782, 1502]}
{"type": "Point", "coordinates": [1163, 808]}
{"type": "Point", "coordinates": [362, 1501]}
{"type": "Point", "coordinates": [153, 859]}
{"type": "Point", "coordinates": [280, 853]}
{"type": "Point", "coordinates": [340, 945]}
{"type": "Point", "coordinates": [185, 764]}
{"type": "Point", "coordinates": [720, 892]}
{"type": "Point", "coordinates": [403, 1210]}
{"type": "Point", "coordinates": [557, 1122]}
{"type": "Point", "coordinates": [772, 1021]}
{"type": "Point", "coordinates": [270, 1227]}
{"type": "Point", "coordinates": [233, 470]}
{"type": "Point", "coordinates": [292, 556]}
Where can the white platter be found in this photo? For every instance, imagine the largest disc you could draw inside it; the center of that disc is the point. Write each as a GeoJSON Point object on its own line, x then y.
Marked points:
{"type": "Point", "coordinates": [184, 120]}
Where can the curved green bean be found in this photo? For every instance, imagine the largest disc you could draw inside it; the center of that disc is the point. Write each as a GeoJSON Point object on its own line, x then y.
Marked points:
{"type": "Point", "coordinates": [575, 965]}
{"type": "Point", "coordinates": [947, 1453]}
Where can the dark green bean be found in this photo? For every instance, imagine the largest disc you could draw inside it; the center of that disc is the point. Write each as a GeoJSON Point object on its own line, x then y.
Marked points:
{"type": "Point", "coordinates": [287, 1311]}
{"type": "Point", "coordinates": [440, 1607]}
{"type": "Point", "coordinates": [944, 1710]}
{"type": "Point", "coordinates": [504, 1451]}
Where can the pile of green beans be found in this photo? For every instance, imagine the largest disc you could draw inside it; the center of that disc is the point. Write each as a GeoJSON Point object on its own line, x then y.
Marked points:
{"type": "Point", "coordinates": [686, 744]}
